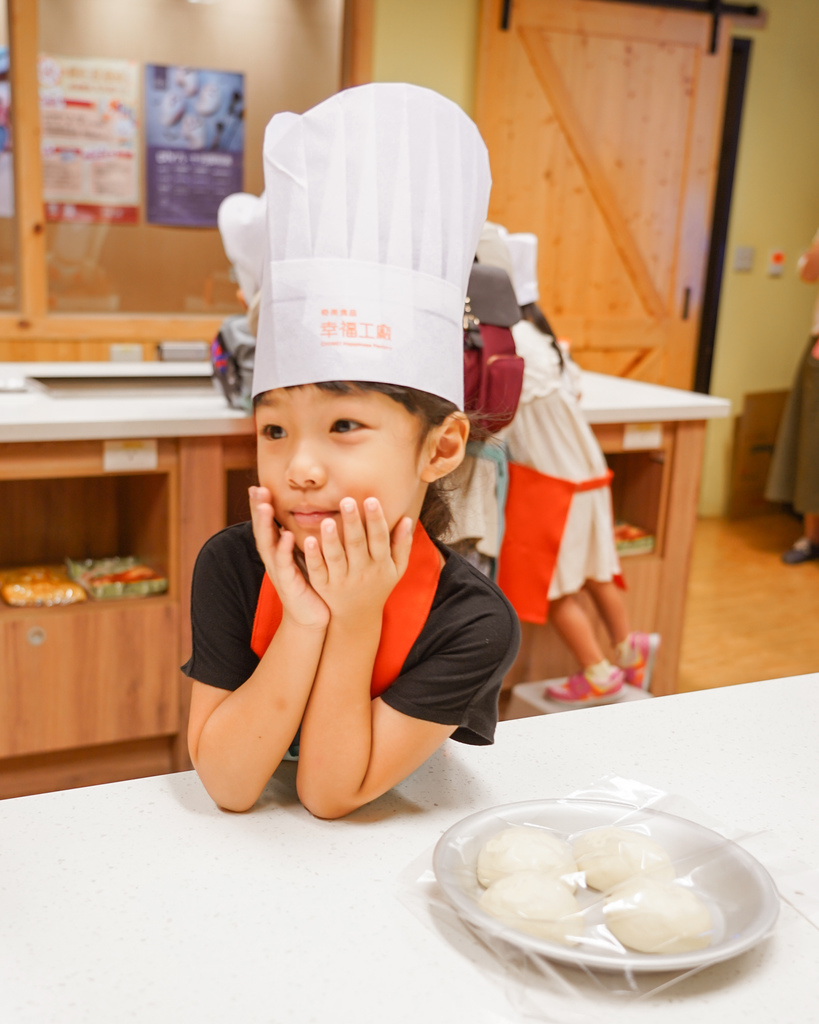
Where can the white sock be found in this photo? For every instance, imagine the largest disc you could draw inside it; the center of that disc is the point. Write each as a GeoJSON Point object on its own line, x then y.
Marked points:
{"type": "Point", "coordinates": [625, 653]}
{"type": "Point", "coordinates": [598, 673]}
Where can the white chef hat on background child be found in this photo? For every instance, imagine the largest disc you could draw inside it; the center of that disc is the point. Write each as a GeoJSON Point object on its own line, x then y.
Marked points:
{"type": "Point", "coordinates": [522, 248]}
{"type": "Point", "coordinates": [492, 247]}
{"type": "Point", "coordinates": [243, 227]}
{"type": "Point", "coordinates": [375, 202]}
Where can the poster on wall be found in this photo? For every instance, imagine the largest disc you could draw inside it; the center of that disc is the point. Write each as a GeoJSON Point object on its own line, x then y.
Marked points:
{"type": "Point", "coordinates": [195, 143]}
{"type": "Point", "coordinates": [6, 161]}
{"type": "Point", "coordinates": [90, 139]}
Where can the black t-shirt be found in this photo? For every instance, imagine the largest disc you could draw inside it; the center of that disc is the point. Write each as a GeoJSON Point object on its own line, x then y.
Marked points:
{"type": "Point", "coordinates": [452, 674]}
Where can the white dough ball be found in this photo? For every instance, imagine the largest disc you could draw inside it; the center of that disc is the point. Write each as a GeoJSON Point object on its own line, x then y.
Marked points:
{"type": "Point", "coordinates": [537, 903]}
{"type": "Point", "coordinates": [658, 917]}
{"type": "Point", "coordinates": [524, 848]}
{"type": "Point", "coordinates": [609, 856]}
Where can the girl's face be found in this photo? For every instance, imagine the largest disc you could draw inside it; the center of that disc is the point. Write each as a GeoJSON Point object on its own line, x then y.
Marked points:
{"type": "Point", "coordinates": [316, 447]}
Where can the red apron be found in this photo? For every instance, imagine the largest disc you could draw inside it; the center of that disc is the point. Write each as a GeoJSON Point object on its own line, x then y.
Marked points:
{"type": "Point", "coordinates": [537, 507]}
{"type": "Point", "coordinates": [405, 612]}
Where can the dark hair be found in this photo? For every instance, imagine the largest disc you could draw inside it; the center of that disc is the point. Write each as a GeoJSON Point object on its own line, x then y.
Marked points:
{"type": "Point", "coordinates": [431, 411]}
{"type": "Point", "coordinates": [534, 314]}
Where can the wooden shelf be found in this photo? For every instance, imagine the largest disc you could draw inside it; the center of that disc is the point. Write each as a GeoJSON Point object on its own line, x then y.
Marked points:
{"type": "Point", "coordinates": [58, 460]}
{"type": "Point", "coordinates": [95, 673]}
{"type": "Point", "coordinates": [92, 606]}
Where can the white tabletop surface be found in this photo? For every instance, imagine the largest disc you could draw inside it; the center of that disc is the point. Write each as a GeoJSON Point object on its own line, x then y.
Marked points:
{"type": "Point", "coordinates": [32, 415]}
{"type": "Point", "coordinates": [141, 902]}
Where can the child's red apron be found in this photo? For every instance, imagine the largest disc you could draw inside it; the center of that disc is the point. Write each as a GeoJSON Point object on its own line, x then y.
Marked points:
{"type": "Point", "coordinates": [537, 507]}
{"type": "Point", "coordinates": [405, 612]}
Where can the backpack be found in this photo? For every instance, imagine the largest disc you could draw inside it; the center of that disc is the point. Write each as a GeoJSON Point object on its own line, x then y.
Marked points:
{"type": "Point", "coordinates": [493, 371]}
{"type": "Point", "coordinates": [231, 355]}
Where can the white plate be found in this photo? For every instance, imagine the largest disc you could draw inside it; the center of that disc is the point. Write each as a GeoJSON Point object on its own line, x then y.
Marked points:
{"type": "Point", "coordinates": [738, 890]}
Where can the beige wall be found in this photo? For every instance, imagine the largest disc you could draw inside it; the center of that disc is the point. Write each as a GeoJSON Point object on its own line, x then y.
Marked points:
{"type": "Point", "coordinates": [428, 42]}
{"type": "Point", "coordinates": [764, 322]}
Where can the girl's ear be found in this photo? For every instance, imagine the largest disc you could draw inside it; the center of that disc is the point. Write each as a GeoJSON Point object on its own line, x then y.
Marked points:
{"type": "Point", "coordinates": [445, 447]}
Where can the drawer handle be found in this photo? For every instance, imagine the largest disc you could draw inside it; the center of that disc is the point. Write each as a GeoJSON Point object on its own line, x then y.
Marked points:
{"type": "Point", "coordinates": [36, 636]}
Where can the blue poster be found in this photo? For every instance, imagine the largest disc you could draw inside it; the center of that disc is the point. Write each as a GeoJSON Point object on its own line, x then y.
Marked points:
{"type": "Point", "coordinates": [194, 130]}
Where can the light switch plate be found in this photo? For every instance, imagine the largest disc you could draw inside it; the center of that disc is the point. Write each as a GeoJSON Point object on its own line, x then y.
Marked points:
{"type": "Point", "coordinates": [744, 258]}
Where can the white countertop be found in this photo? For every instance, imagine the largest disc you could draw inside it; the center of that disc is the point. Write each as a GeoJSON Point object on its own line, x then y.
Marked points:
{"type": "Point", "coordinates": [608, 399]}
{"type": "Point", "coordinates": [141, 902]}
{"type": "Point", "coordinates": [34, 416]}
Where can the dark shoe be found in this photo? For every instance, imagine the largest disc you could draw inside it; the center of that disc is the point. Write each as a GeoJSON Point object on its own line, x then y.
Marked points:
{"type": "Point", "coordinates": [804, 550]}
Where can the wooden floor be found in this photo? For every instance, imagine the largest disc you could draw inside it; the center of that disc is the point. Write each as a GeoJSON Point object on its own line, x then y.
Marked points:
{"type": "Point", "coordinates": [748, 616]}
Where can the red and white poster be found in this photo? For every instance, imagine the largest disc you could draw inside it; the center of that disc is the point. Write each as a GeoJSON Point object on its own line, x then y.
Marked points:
{"type": "Point", "coordinates": [89, 117]}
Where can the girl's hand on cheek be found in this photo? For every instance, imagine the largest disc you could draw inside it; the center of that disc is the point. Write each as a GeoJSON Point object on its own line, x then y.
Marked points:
{"type": "Point", "coordinates": [357, 575]}
{"type": "Point", "coordinates": [299, 601]}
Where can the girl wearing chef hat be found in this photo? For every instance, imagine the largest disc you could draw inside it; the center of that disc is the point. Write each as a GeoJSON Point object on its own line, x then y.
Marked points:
{"type": "Point", "coordinates": [335, 616]}
{"type": "Point", "coordinates": [559, 536]}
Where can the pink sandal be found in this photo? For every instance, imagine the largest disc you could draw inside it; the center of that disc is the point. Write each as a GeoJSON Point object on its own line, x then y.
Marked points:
{"type": "Point", "coordinates": [577, 691]}
{"type": "Point", "coordinates": [645, 645]}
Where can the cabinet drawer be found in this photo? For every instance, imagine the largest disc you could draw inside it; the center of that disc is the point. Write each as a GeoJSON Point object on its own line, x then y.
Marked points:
{"type": "Point", "coordinates": [90, 673]}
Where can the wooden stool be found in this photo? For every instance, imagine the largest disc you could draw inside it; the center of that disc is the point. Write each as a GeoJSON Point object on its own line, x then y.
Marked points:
{"type": "Point", "coordinates": [527, 699]}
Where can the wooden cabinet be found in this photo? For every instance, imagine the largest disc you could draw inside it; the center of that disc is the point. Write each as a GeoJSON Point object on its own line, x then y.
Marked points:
{"type": "Point", "coordinates": [87, 674]}
{"type": "Point", "coordinates": [92, 692]}
{"type": "Point", "coordinates": [76, 679]}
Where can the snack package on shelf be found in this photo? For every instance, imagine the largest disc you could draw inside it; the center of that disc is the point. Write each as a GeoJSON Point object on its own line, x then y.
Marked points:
{"type": "Point", "coordinates": [632, 540]}
{"type": "Point", "coordinates": [107, 578]}
{"type": "Point", "coordinates": [37, 586]}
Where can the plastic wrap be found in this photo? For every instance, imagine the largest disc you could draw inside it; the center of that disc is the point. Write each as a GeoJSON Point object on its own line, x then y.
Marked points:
{"type": "Point", "coordinates": [109, 578]}
{"type": "Point", "coordinates": [38, 586]}
{"type": "Point", "coordinates": [577, 979]}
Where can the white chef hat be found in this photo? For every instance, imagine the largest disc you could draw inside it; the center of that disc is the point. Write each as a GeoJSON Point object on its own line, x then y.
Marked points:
{"type": "Point", "coordinates": [242, 225]}
{"type": "Point", "coordinates": [375, 202]}
{"type": "Point", "coordinates": [522, 248]}
{"type": "Point", "coordinates": [492, 247]}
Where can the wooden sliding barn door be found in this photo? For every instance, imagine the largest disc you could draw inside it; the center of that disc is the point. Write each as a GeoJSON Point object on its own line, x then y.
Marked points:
{"type": "Point", "coordinates": [603, 124]}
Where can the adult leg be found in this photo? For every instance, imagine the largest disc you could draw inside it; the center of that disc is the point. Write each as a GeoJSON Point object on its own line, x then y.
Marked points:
{"type": "Point", "coordinates": [807, 547]}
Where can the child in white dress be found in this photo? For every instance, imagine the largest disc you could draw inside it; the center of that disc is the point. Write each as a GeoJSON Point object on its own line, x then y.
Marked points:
{"type": "Point", "coordinates": [559, 486]}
